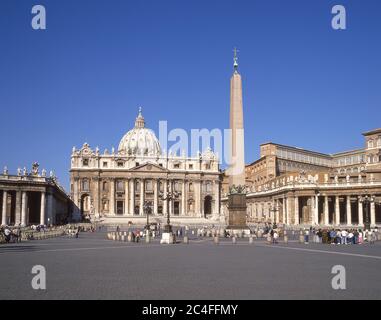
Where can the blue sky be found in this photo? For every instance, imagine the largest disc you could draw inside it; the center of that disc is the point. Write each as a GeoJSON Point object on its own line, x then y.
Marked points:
{"type": "Point", "coordinates": [84, 77]}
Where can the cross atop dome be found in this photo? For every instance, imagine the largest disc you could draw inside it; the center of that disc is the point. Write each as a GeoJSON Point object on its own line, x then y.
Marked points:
{"type": "Point", "coordinates": [139, 122]}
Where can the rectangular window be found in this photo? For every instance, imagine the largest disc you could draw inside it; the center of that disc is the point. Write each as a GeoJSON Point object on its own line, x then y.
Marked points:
{"type": "Point", "coordinates": [120, 164]}
{"type": "Point", "coordinates": [191, 167]}
{"type": "Point", "coordinates": [176, 166]}
{"type": "Point", "coordinates": [120, 186]}
{"type": "Point", "coordinates": [105, 164]}
{"type": "Point", "coordinates": [149, 185]}
{"type": "Point", "coordinates": [85, 162]}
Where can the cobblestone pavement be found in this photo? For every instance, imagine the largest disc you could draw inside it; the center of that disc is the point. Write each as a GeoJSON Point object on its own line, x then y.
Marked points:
{"type": "Point", "coordinates": [92, 267]}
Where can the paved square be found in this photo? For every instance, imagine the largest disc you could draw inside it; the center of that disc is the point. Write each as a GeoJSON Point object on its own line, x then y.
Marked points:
{"type": "Point", "coordinates": [92, 267]}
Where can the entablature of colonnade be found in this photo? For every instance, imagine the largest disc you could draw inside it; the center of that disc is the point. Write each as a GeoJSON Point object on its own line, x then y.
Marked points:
{"type": "Point", "coordinates": [326, 188]}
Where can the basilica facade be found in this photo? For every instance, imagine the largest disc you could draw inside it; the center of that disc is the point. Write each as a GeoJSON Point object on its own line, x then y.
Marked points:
{"type": "Point", "coordinates": [125, 184]}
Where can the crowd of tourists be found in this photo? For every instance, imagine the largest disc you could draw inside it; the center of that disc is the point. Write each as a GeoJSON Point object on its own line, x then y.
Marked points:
{"type": "Point", "coordinates": [340, 236]}
{"type": "Point", "coordinates": [9, 235]}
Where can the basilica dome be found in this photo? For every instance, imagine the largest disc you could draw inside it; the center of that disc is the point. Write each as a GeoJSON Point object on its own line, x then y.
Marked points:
{"type": "Point", "coordinates": [140, 140]}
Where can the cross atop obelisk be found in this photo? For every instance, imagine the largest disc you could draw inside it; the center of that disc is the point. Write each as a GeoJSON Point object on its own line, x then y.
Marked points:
{"type": "Point", "coordinates": [235, 59]}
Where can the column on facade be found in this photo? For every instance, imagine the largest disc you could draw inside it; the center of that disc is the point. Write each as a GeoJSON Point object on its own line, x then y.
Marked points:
{"type": "Point", "coordinates": [284, 210]}
{"type": "Point", "coordinates": [141, 204]}
{"type": "Point", "coordinates": [201, 200]}
{"type": "Point", "coordinates": [18, 208]}
{"type": "Point", "coordinates": [337, 210]}
{"type": "Point", "coordinates": [96, 195]}
{"type": "Point", "coordinates": [360, 212]}
{"type": "Point", "coordinates": [155, 195]}
{"type": "Point", "coordinates": [75, 192]}
{"type": "Point", "coordinates": [132, 196]}
{"type": "Point", "coordinates": [42, 208]}
{"type": "Point", "coordinates": [126, 197]}
{"type": "Point", "coordinates": [326, 211]}
{"type": "Point", "coordinates": [349, 211]}
{"type": "Point", "coordinates": [4, 211]}
{"type": "Point", "coordinates": [183, 200]}
{"type": "Point", "coordinates": [165, 206]}
{"type": "Point", "coordinates": [171, 202]}
{"type": "Point", "coordinates": [217, 197]}
{"type": "Point", "coordinates": [112, 197]}
{"type": "Point", "coordinates": [24, 208]}
{"type": "Point", "coordinates": [316, 211]}
{"type": "Point", "coordinates": [296, 218]}
{"type": "Point", "coordinates": [372, 213]}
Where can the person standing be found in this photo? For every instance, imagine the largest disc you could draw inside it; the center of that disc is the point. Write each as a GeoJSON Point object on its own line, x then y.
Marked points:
{"type": "Point", "coordinates": [344, 235]}
{"type": "Point", "coordinates": [7, 234]}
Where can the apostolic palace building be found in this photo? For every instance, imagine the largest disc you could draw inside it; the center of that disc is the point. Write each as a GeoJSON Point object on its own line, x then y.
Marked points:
{"type": "Point", "coordinates": [297, 186]}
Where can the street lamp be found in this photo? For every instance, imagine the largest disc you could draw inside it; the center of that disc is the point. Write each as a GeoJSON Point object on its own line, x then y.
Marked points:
{"type": "Point", "coordinates": [168, 196]}
{"type": "Point", "coordinates": [367, 200]}
{"type": "Point", "coordinates": [274, 209]}
{"type": "Point", "coordinates": [147, 206]}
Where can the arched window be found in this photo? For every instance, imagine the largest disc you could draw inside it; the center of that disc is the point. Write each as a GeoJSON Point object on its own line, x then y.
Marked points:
{"type": "Point", "coordinates": [191, 187]}
{"type": "Point", "coordinates": [104, 186]}
{"type": "Point", "coordinates": [370, 144]}
{"type": "Point", "coordinates": [137, 186]}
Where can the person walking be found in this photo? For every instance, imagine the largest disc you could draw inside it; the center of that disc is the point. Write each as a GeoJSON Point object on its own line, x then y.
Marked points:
{"type": "Point", "coordinates": [306, 236]}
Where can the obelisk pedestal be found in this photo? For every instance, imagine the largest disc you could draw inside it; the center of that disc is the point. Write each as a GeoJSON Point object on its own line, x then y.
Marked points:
{"type": "Point", "coordinates": [237, 211]}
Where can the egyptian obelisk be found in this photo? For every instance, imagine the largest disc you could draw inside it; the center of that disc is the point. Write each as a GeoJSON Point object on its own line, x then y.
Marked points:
{"type": "Point", "coordinates": [236, 171]}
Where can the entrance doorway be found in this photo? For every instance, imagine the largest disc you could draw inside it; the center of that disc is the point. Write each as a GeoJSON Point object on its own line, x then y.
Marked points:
{"type": "Point", "coordinates": [207, 206]}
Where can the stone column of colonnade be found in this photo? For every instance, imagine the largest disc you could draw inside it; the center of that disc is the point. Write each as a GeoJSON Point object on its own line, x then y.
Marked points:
{"type": "Point", "coordinates": [284, 210]}
{"type": "Point", "coordinates": [4, 209]}
{"type": "Point", "coordinates": [289, 210]}
{"type": "Point", "coordinates": [296, 210]}
{"type": "Point", "coordinates": [18, 208]}
{"type": "Point", "coordinates": [316, 211]}
{"type": "Point", "coordinates": [326, 211]}
{"type": "Point", "coordinates": [372, 214]}
{"type": "Point", "coordinates": [24, 208]}
{"type": "Point", "coordinates": [42, 208]}
{"type": "Point", "coordinates": [349, 211]}
{"type": "Point", "coordinates": [360, 212]}
{"type": "Point", "coordinates": [337, 210]}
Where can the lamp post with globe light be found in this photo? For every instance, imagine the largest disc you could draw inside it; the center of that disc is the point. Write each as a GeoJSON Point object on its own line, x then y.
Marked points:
{"type": "Point", "coordinates": [168, 196]}
{"type": "Point", "coordinates": [367, 200]}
